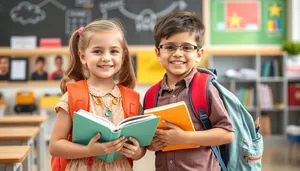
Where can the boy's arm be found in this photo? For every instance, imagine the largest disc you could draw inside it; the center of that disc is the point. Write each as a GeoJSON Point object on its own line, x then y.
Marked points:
{"type": "Point", "coordinates": [212, 137]}
{"type": "Point", "coordinates": [222, 131]}
{"type": "Point", "coordinates": [175, 135]}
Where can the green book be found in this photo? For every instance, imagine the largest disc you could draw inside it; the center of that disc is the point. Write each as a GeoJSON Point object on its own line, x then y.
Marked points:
{"type": "Point", "coordinates": [86, 125]}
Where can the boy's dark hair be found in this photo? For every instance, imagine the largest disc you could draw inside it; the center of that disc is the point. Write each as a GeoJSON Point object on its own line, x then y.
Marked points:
{"type": "Point", "coordinates": [3, 57]}
{"type": "Point", "coordinates": [40, 59]}
{"type": "Point", "coordinates": [178, 22]}
{"type": "Point", "coordinates": [58, 57]}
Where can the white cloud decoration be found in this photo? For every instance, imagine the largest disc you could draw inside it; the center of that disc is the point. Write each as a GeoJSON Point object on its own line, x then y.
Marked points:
{"type": "Point", "coordinates": [33, 12]}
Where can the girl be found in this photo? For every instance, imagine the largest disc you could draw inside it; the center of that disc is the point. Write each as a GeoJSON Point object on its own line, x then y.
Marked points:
{"type": "Point", "coordinates": [97, 52]}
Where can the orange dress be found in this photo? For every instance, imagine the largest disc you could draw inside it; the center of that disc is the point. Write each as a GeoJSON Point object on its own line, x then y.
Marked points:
{"type": "Point", "coordinates": [119, 164]}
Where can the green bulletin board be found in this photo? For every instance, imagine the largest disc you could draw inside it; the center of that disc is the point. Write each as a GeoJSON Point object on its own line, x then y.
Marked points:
{"type": "Point", "coordinates": [247, 22]}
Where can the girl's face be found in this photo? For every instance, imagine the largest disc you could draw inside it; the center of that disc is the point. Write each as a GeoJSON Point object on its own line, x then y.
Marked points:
{"type": "Point", "coordinates": [104, 54]}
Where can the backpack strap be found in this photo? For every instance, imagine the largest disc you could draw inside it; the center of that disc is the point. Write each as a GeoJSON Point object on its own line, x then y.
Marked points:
{"type": "Point", "coordinates": [130, 101]}
{"type": "Point", "coordinates": [151, 96]}
{"type": "Point", "coordinates": [79, 98]}
{"type": "Point", "coordinates": [201, 106]}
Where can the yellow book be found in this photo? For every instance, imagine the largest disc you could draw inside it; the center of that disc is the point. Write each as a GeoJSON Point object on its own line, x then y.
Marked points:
{"type": "Point", "coordinates": [177, 114]}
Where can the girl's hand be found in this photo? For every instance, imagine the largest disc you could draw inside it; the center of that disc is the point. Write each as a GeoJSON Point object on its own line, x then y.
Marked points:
{"type": "Point", "coordinates": [129, 150]}
{"type": "Point", "coordinates": [97, 148]}
{"type": "Point", "coordinates": [172, 136]}
{"type": "Point", "coordinates": [156, 144]}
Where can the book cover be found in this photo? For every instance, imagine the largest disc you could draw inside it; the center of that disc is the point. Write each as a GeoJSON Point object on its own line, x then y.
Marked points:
{"type": "Point", "coordinates": [86, 125]}
{"type": "Point", "coordinates": [177, 114]}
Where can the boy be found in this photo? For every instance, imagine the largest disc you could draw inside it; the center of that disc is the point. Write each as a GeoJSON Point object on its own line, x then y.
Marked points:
{"type": "Point", "coordinates": [40, 73]}
{"type": "Point", "coordinates": [58, 73]}
{"type": "Point", "coordinates": [179, 40]}
{"type": "Point", "coordinates": [4, 69]}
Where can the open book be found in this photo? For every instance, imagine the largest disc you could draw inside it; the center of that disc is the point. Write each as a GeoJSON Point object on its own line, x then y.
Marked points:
{"type": "Point", "coordinates": [177, 114]}
{"type": "Point", "coordinates": [86, 125]}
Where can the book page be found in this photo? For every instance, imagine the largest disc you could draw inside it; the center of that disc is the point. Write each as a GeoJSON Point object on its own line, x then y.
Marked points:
{"type": "Point", "coordinates": [134, 119]}
{"type": "Point", "coordinates": [164, 107]}
{"type": "Point", "coordinates": [96, 118]}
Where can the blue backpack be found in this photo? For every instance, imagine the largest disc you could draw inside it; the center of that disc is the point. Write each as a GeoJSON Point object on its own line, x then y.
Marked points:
{"type": "Point", "coordinates": [245, 152]}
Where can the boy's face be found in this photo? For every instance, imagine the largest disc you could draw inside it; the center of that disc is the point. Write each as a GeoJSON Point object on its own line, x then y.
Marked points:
{"type": "Point", "coordinates": [178, 61]}
{"type": "Point", "coordinates": [4, 65]}
{"type": "Point", "coordinates": [40, 65]}
{"type": "Point", "coordinates": [58, 63]}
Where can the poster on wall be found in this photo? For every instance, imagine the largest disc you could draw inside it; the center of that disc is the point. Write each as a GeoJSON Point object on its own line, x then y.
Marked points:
{"type": "Point", "coordinates": [250, 22]}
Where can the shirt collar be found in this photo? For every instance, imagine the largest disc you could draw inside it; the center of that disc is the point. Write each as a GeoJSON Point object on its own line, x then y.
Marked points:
{"type": "Point", "coordinates": [185, 81]}
{"type": "Point", "coordinates": [95, 92]}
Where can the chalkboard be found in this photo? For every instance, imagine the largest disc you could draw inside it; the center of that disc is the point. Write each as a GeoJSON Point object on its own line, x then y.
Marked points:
{"type": "Point", "coordinates": [59, 18]}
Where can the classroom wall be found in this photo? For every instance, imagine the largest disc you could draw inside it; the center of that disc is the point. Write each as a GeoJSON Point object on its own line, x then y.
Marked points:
{"type": "Point", "coordinates": [293, 20]}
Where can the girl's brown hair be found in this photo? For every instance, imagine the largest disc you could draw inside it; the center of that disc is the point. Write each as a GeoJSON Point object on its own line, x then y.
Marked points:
{"type": "Point", "coordinates": [76, 71]}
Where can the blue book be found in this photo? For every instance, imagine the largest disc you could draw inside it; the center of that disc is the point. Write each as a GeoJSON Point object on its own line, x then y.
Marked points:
{"type": "Point", "coordinates": [86, 125]}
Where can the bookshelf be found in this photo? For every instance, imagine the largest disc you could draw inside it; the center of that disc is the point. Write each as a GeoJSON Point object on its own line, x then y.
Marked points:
{"type": "Point", "coordinates": [29, 83]}
{"type": "Point", "coordinates": [280, 113]}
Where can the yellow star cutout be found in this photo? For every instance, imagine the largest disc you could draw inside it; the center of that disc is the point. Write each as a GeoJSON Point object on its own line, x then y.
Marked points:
{"type": "Point", "coordinates": [235, 20]}
{"type": "Point", "coordinates": [275, 10]}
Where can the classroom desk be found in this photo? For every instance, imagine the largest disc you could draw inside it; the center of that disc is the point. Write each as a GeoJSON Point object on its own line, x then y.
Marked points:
{"type": "Point", "coordinates": [20, 136]}
{"type": "Point", "coordinates": [11, 157]}
{"type": "Point", "coordinates": [30, 120]}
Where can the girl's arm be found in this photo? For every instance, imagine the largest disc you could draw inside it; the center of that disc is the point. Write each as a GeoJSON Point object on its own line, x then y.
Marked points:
{"type": "Point", "coordinates": [60, 147]}
{"type": "Point", "coordinates": [139, 153]}
{"type": "Point", "coordinates": [133, 151]}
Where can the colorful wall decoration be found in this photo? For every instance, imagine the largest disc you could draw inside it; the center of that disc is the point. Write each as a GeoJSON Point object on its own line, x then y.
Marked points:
{"type": "Point", "coordinates": [149, 70]}
{"type": "Point", "coordinates": [247, 22]}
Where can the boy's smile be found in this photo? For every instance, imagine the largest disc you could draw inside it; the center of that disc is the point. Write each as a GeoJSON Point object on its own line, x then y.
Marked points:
{"type": "Point", "coordinates": [177, 55]}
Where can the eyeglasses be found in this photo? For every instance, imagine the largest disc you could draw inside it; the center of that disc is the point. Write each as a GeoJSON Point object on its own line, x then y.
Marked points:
{"type": "Point", "coordinates": [171, 48]}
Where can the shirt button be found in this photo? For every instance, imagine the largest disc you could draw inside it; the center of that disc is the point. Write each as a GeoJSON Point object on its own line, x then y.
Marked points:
{"type": "Point", "coordinates": [171, 161]}
{"type": "Point", "coordinates": [174, 96]}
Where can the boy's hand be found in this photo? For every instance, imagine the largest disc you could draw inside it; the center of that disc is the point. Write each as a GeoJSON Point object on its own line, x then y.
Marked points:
{"type": "Point", "coordinates": [97, 148]}
{"type": "Point", "coordinates": [156, 144]}
{"type": "Point", "coordinates": [171, 136]}
{"type": "Point", "coordinates": [129, 150]}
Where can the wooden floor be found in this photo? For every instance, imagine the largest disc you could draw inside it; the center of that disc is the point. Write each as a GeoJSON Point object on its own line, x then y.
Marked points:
{"type": "Point", "coordinates": [275, 158]}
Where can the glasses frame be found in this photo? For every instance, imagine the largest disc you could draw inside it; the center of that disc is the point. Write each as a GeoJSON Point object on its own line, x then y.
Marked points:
{"type": "Point", "coordinates": [196, 47]}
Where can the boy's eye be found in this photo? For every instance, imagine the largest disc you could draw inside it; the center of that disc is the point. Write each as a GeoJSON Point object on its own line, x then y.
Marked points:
{"type": "Point", "coordinates": [170, 47]}
{"type": "Point", "coordinates": [188, 47]}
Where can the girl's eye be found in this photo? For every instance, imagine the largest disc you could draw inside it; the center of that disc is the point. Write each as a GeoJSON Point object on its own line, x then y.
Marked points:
{"type": "Point", "coordinates": [97, 51]}
{"type": "Point", "coordinates": [114, 51]}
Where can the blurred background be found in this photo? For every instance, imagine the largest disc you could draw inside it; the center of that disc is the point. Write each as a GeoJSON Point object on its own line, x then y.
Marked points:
{"type": "Point", "coordinates": [254, 45]}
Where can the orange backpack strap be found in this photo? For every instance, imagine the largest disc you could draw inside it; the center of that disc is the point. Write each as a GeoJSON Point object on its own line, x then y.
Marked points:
{"type": "Point", "coordinates": [130, 101]}
{"type": "Point", "coordinates": [78, 94]}
{"type": "Point", "coordinates": [79, 98]}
